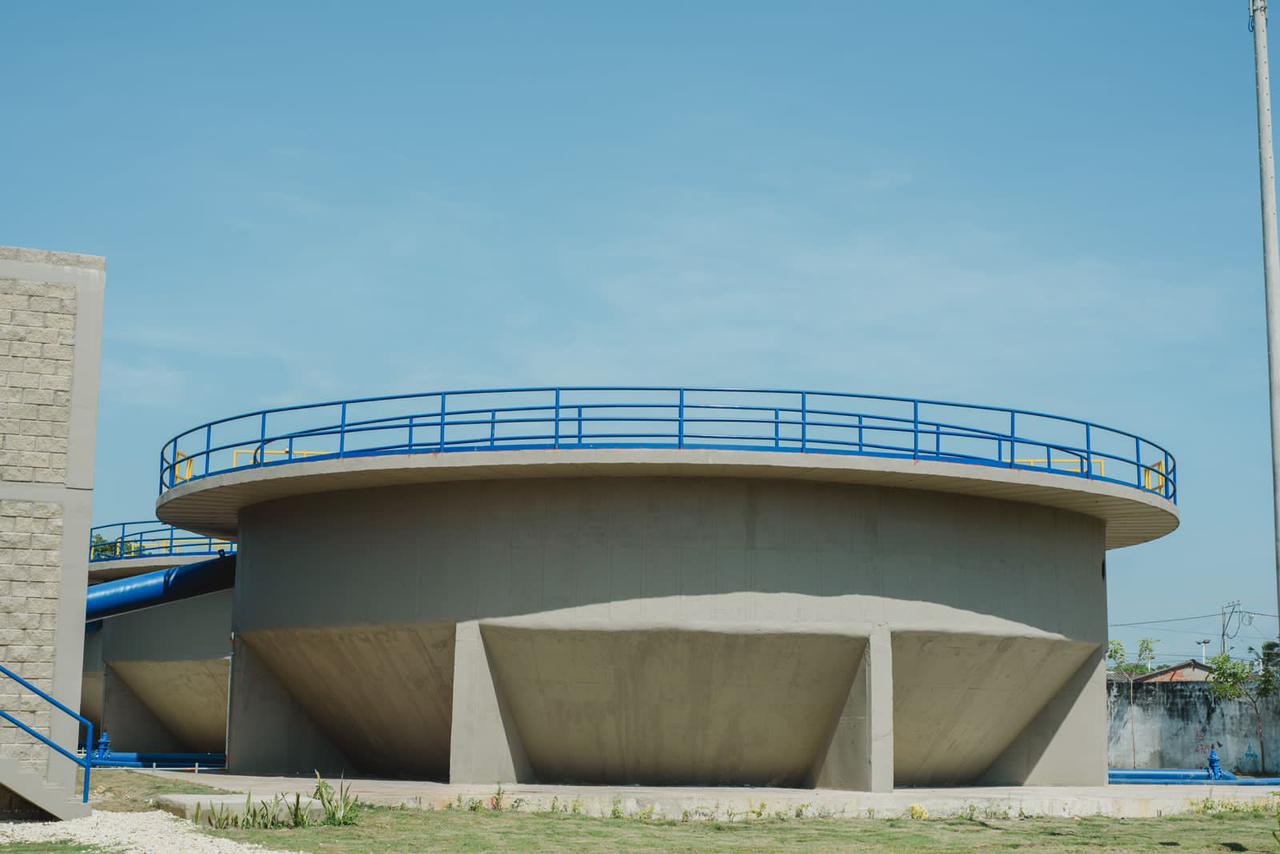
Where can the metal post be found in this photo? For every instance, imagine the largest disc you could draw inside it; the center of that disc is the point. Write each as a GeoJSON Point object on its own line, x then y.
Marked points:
{"type": "Point", "coordinates": [680, 421]}
{"type": "Point", "coordinates": [1270, 250]}
{"type": "Point", "coordinates": [442, 417]}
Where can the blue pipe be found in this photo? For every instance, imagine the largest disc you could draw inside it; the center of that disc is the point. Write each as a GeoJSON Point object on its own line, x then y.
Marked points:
{"type": "Point", "coordinates": [112, 598]}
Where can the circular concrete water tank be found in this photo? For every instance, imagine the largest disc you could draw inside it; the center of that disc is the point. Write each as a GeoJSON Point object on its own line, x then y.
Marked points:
{"type": "Point", "coordinates": [667, 608]}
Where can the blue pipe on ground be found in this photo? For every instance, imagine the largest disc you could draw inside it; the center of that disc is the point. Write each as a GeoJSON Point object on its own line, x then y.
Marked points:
{"type": "Point", "coordinates": [112, 598]}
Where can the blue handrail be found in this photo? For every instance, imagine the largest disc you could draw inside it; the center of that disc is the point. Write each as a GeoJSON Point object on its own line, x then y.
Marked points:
{"type": "Point", "coordinates": [150, 538]}
{"type": "Point", "coordinates": [85, 762]}
{"type": "Point", "coordinates": [578, 417]}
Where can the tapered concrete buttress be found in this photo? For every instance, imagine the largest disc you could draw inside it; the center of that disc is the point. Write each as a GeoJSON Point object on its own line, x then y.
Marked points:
{"type": "Point", "coordinates": [267, 731]}
{"type": "Point", "coordinates": [859, 754]}
{"type": "Point", "coordinates": [651, 627]}
{"type": "Point", "coordinates": [485, 743]}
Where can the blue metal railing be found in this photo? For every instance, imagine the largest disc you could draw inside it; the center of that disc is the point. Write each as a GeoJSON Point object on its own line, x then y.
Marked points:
{"type": "Point", "coordinates": [150, 538]}
{"type": "Point", "coordinates": [85, 762]}
{"type": "Point", "coordinates": [671, 417]}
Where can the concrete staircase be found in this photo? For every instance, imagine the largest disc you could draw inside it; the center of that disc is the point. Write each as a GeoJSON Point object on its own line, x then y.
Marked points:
{"type": "Point", "coordinates": [25, 793]}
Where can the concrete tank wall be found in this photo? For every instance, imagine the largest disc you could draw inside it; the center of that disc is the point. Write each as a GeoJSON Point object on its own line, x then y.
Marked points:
{"type": "Point", "coordinates": [670, 630]}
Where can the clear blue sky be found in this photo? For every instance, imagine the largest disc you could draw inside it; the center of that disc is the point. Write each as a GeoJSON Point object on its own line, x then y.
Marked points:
{"type": "Point", "coordinates": [996, 202]}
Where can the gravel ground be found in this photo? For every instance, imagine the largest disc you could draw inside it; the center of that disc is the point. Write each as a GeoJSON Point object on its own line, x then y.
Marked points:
{"type": "Point", "coordinates": [133, 832]}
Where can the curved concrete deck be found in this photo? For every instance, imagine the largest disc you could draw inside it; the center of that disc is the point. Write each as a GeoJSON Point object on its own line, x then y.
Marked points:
{"type": "Point", "coordinates": [212, 505]}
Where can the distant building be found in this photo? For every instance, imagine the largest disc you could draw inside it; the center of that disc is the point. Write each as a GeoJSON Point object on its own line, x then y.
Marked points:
{"type": "Point", "coordinates": [1187, 671]}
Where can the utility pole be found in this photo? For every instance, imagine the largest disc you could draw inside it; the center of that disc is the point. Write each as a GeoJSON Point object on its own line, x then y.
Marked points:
{"type": "Point", "coordinates": [1204, 649]}
{"type": "Point", "coordinates": [1229, 610]}
{"type": "Point", "coordinates": [1270, 253]}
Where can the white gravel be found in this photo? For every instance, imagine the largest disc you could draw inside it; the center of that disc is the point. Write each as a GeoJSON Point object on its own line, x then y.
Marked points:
{"type": "Point", "coordinates": [151, 832]}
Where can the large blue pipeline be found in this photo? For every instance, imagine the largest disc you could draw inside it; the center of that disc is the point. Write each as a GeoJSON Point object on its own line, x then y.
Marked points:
{"type": "Point", "coordinates": [113, 598]}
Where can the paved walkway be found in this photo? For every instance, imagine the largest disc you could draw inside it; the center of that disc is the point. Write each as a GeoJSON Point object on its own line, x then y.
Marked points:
{"type": "Point", "coordinates": [724, 802]}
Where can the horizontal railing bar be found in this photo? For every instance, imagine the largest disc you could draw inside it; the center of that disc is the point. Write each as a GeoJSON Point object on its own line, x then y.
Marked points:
{"type": "Point", "coordinates": [43, 738]}
{"type": "Point", "coordinates": [578, 409]}
{"type": "Point", "coordinates": [40, 693]}
{"type": "Point", "coordinates": [655, 389]}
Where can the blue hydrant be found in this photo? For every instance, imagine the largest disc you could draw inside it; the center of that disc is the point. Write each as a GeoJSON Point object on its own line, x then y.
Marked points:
{"type": "Point", "coordinates": [104, 745]}
{"type": "Point", "coordinates": [1215, 764]}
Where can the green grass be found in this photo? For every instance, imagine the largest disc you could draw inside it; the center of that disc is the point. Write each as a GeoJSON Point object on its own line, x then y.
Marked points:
{"type": "Point", "coordinates": [120, 790]}
{"type": "Point", "coordinates": [387, 830]}
{"type": "Point", "coordinates": [1217, 827]}
{"type": "Point", "coordinates": [49, 848]}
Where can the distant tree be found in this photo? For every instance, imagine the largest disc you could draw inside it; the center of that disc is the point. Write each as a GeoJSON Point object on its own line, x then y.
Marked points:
{"type": "Point", "coordinates": [1117, 655]}
{"type": "Point", "coordinates": [100, 548]}
{"type": "Point", "coordinates": [1250, 680]}
{"type": "Point", "coordinates": [1121, 666]}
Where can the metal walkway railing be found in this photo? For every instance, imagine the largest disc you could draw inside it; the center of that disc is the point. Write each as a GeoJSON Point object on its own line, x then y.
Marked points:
{"type": "Point", "coordinates": [85, 762]}
{"type": "Point", "coordinates": [150, 538]}
{"type": "Point", "coordinates": [671, 417]}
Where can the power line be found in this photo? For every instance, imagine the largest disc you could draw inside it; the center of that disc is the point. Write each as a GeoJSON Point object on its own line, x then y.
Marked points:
{"type": "Point", "coordinates": [1170, 620]}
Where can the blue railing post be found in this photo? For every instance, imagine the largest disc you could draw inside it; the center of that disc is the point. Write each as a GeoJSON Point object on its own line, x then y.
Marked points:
{"type": "Point", "coordinates": [493, 427]}
{"type": "Point", "coordinates": [680, 420]}
{"type": "Point", "coordinates": [861, 444]}
{"type": "Point", "coordinates": [1088, 451]}
{"type": "Point", "coordinates": [1013, 440]}
{"type": "Point", "coordinates": [88, 760]}
{"type": "Point", "coordinates": [262, 440]}
{"type": "Point", "coordinates": [208, 445]}
{"type": "Point", "coordinates": [804, 421]}
{"type": "Point", "coordinates": [442, 416]}
{"type": "Point", "coordinates": [342, 431]}
{"type": "Point", "coordinates": [777, 438]}
{"type": "Point", "coordinates": [915, 429]}
{"type": "Point", "coordinates": [557, 441]}
{"type": "Point", "coordinates": [579, 424]}
{"type": "Point", "coordinates": [409, 445]}
{"type": "Point", "coordinates": [1137, 461]}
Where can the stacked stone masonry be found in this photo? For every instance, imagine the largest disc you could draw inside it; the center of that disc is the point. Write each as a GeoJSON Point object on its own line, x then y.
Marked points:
{"type": "Point", "coordinates": [50, 335]}
{"type": "Point", "coordinates": [37, 339]}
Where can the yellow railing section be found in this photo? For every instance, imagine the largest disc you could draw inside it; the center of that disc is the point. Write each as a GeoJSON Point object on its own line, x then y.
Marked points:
{"type": "Point", "coordinates": [253, 455]}
{"type": "Point", "coordinates": [1154, 478]}
{"type": "Point", "coordinates": [1065, 464]}
{"type": "Point", "coordinates": [184, 466]}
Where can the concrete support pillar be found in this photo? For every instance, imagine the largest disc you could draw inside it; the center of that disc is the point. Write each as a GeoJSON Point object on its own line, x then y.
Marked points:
{"type": "Point", "coordinates": [880, 702]}
{"type": "Point", "coordinates": [859, 756]}
{"type": "Point", "coordinates": [484, 746]}
{"type": "Point", "coordinates": [268, 732]}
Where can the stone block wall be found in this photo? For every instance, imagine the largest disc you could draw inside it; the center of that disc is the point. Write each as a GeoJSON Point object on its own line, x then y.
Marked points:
{"type": "Point", "coordinates": [50, 341]}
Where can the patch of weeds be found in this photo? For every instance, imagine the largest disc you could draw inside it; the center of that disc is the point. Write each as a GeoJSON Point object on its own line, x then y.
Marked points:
{"type": "Point", "coordinates": [340, 807]}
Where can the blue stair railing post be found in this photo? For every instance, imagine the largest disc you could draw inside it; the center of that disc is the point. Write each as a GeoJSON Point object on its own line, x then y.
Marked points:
{"type": "Point", "coordinates": [87, 761]}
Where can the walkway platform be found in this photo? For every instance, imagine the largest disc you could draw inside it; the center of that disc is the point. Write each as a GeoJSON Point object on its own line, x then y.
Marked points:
{"type": "Point", "coordinates": [705, 802]}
